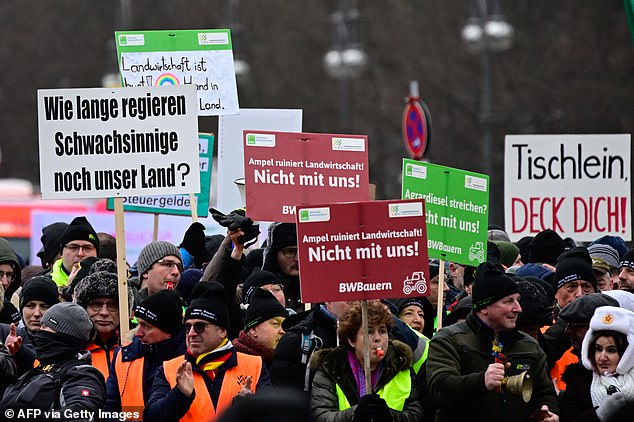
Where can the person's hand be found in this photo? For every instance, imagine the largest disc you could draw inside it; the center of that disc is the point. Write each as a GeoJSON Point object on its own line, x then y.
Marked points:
{"type": "Point", "coordinates": [185, 378]}
{"type": "Point", "coordinates": [493, 376]}
{"type": "Point", "coordinates": [371, 407]}
{"type": "Point", "coordinates": [545, 415]}
{"type": "Point", "coordinates": [610, 407]}
{"type": "Point", "coordinates": [73, 274]}
{"type": "Point", "coordinates": [246, 388]}
{"type": "Point", "coordinates": [13, 341]}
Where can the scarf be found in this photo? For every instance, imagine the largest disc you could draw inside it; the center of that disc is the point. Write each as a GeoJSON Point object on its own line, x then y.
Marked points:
{"type": "Point", "coordinates": [246, 344]}
{"type": "Point", "coordinates": [211, 361]}
{"type": "Point", "coordinates": [52, 347]}
{"type": "Point", "coordinates": [601, 383]}
{"type": "Point", "coordinates": [359, 373]}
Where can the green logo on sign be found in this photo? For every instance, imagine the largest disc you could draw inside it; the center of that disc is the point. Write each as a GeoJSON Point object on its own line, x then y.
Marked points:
{"type": "Point", "coordinates": [408, 170]}
{"type": "Point", "coordinates": [304, 216]}
{"type": "Point", "coordinates": [250, 139]}
{"type": "Point", "coordinates": [393, 210]}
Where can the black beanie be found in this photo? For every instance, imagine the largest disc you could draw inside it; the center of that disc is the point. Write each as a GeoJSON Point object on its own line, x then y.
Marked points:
{"type": "Point", "coordinates": [536, 309]}
{"type": "Point", "coordinates": [209, 303]}
{"type": "Point", "coordinates": [41, 288]}
{"type": "Point", "coordinates": [263, 306]}
{"type": "Point", "coordinates": [628, 259]}
{"type": "Point", "coordinates": [79, 229]}
{"type": "Point", "coordinates": [163, 310]}
{"type": "Point", "coordinates": [255, 280]}
{"type": "Point", "coordinates": [491, 284]}
{"type": "Point", "coordinates": [50, 239]}
{"type": "Point", "coordinates": [546, 247]}
{"type": "Point", "coordinates": [282, 235]}
{"type": "Point", "coordinates": [572, 265]}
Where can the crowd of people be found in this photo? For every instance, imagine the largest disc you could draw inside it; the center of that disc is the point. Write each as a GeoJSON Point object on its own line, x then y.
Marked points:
{"type": "Point", "coordinates": [542, 330]}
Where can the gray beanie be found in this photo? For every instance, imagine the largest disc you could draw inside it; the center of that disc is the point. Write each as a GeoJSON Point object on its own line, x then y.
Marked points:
{"type": "Point", "coordinates": [606, 253]}
{"type": "Point", "coordinates": [154, 251]}
{"type": "Point", "coordinates": [69, 318]}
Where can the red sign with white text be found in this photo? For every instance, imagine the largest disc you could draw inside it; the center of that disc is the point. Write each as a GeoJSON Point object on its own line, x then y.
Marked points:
{"type": "Point", "coordinates": [362, 250]}
{"type": "Point", "coordinates": [285, 170]}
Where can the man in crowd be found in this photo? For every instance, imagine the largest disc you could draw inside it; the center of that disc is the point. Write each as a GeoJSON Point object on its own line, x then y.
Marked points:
{"type": "Point", "coordinates": [605, 261]}
{"type": "Point", "coordinates": [626, 271]}
{"type": "Point", "coordinates": [36, 297]}
{"type": "Point", "coordinates": [50, 251]}
{"type": "Point", "coordinates": [160, 336]}
{"type": "Point", "coordinates": [159, 266]}
{"type": "Point", "coordinates": [469, 360]}
{"type": "Point", "coordinates": [203, 384]}
{"type": "Point", "coordinates": [78, 241]}
{"type": "Point", "coordinates": [10, 279]}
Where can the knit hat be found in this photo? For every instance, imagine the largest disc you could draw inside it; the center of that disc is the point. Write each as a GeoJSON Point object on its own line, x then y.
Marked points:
{"type": "Point", "coordinates": [403, 303]}
{"type": "Point", "coordinates": [625, 299]}
{"type": "Point", "coordinates": [41, 288]}
{"type": "Point", "coordinates": [582, 308]}
{"type": "Point", "coordinates": [69, 318]}
{"type": "Point", "coordinates": [491, 285]}
{"type": "Point", "coordinates": [163, 309]}
{"type": "Point", "coordinates": [546, 247]}
{"type": "Point", "coordinates": [50, 239]}
{"type": "Point", "coordinates": [508, 252]}
{"type": "Point", "coordinates": [536, 309]}
{"type": "Point", "coordinates": [495, 232]}
{"type": "Point", "coordinates": [262, 307]}
{"type": "Point", "coordinates": [616, 242]}
{"type": "Point", "coordinates": [79, 229]}
{"type": "Point", "coordinates": [522, 244]}
{"type": "Point", "coordinates": [572, 265]}
{"type": "Point", "coordinates": [154, 251]}
{"type": "Point", "coordinates": [102, 284]}
{"type": "Point", "coordinates": [536, 270]}
{"type": "Point", "coordinates": [209, 303]}
{"type": "Point", "coordinates": [607, 253]}
{"type": "Point", "coordinates": [255, 280]}
{"type": "Point", "coordinates": [610, 318]}
{"type": "Point", "coordinates": [189, 279]}
{"type": "Point", "coordinates": [628, 259]}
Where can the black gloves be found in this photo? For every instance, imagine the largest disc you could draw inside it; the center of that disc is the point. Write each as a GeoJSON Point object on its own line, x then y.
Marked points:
{"type": "Point", "coordinates": [373, 408]}
{"type": "Point", "coordinates": [235, 220]}
{"type": "Point", "coordinates": [194, 243]}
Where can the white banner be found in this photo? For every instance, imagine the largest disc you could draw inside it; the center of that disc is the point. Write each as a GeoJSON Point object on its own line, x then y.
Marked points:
{"type": "Point", "coordinates": [101, 142]}
{"type": "Point", "coordinates": [576, 185]}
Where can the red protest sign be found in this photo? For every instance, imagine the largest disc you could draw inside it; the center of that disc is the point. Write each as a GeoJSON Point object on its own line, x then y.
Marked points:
{"type": "Point", "coordinates": [288, 169]}
{"type": "Point", "coordinates": [362, 250]}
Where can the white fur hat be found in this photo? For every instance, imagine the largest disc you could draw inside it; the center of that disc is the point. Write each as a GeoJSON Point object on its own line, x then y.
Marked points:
{"type": "Point", "coordinates": [616, 319]}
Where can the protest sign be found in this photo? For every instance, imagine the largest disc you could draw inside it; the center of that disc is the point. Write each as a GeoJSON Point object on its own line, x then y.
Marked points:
{"type": "Point", "coordinates": [362, 250]}
{"type": "Point", "coordinates": [100, 142]}
{"type": "Point", "coordinates": [231, 151]}
{"type": "Point", "coordinates": [457, 204]}
{"type": "Point", "coordinates": [200, 58]}
{"type": "Point", "coordinates": [576, 185]}
{"type": "Point", "coordinates": [285, 169]}
{"type": "Point", "coordinates": [178, 204]}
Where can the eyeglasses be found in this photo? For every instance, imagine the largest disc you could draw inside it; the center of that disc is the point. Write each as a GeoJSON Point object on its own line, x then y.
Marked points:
{"type": "Point", "coordinates": [73, 247]}
{"type": "Point", "coordinates": [199, 327]}
{"type": "Point", "coordinates": [10, 275]}
{"type": "Point", "coordinates": [97, 306]}
{"type": "Point", "coordinates": [289, 251]}
{"type": "Point", "coordinates": [166, 263]}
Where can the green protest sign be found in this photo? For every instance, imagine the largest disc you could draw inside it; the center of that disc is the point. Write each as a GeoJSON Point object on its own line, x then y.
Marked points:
{"type": "Point", "coordinates": [456, 204]}
{"type": "Point", "coordinates": [178, 204]}
{"type": "Point", "coordinates": [203, 58]}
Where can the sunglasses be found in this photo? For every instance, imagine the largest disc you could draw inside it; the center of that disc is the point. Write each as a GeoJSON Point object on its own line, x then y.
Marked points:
{"type": "Point", "coordinates": [10, 275]}
{"type": "Point", "coordinates": [199, 327]}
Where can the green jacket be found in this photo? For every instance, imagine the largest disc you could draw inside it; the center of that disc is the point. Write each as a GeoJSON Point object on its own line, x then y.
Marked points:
{"type": "Point", "coordinates": [334, 394]}
{"type": "Point", "coordinates": [59, 274]}
{"type": "Point", "coordinates": [458, 358]}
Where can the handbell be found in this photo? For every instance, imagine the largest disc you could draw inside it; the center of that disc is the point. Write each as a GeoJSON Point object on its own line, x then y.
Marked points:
{"type": "Point", "coordinates": [519, 385]}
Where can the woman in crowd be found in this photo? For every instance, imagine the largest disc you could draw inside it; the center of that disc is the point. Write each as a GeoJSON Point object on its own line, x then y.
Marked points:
{"type": "Point", "coordinates": [339, 387]}
{"type": "Point", "coordinates": [604, 390]}
{"type": "Point", "coordinates": [37, 295]}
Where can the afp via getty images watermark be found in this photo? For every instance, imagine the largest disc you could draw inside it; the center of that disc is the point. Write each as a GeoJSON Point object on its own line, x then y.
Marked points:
{"type": "Point", "coordinates": [71, 414]}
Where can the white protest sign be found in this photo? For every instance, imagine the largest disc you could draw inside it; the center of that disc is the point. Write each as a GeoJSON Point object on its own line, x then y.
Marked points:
{"type": "Point", "coordinates": [231, 148]}
{"type": "Point", "coordinates": [576, 185]}
{"type": "Point", "coordinates": [101, 142]}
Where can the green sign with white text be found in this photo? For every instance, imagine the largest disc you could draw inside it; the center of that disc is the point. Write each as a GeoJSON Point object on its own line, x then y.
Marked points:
{"type": "Point", "coordinates": [456, 209]}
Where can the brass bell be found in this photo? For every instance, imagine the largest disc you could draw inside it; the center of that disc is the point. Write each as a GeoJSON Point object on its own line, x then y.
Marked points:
{"type": "Point", "coordinates": [519, 385]}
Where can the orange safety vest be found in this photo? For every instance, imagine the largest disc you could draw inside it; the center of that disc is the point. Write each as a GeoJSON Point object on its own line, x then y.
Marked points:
{"type": "Point", "coordinates": [130, 380]}
{"type": "Point", "coordinates": [559, 367]}
{"type": "Point", "coordinates": [202, 408]}
{"type": "Point", "coordinates": [99, 358]}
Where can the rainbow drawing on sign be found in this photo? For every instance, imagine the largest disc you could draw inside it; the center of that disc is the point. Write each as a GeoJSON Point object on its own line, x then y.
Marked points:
{"type": "Point", "coordinates": [166, 79]}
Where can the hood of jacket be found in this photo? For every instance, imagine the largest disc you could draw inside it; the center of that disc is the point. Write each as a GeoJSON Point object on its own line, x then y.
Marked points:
{"type": "Point", "coordinates": [7, 256]}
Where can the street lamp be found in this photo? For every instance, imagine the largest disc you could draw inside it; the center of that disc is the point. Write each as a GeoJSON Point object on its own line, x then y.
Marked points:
{"type": "Point", "coordinates": [484, 33]}
{"type": "Point", "coordinates": [346, 58]}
